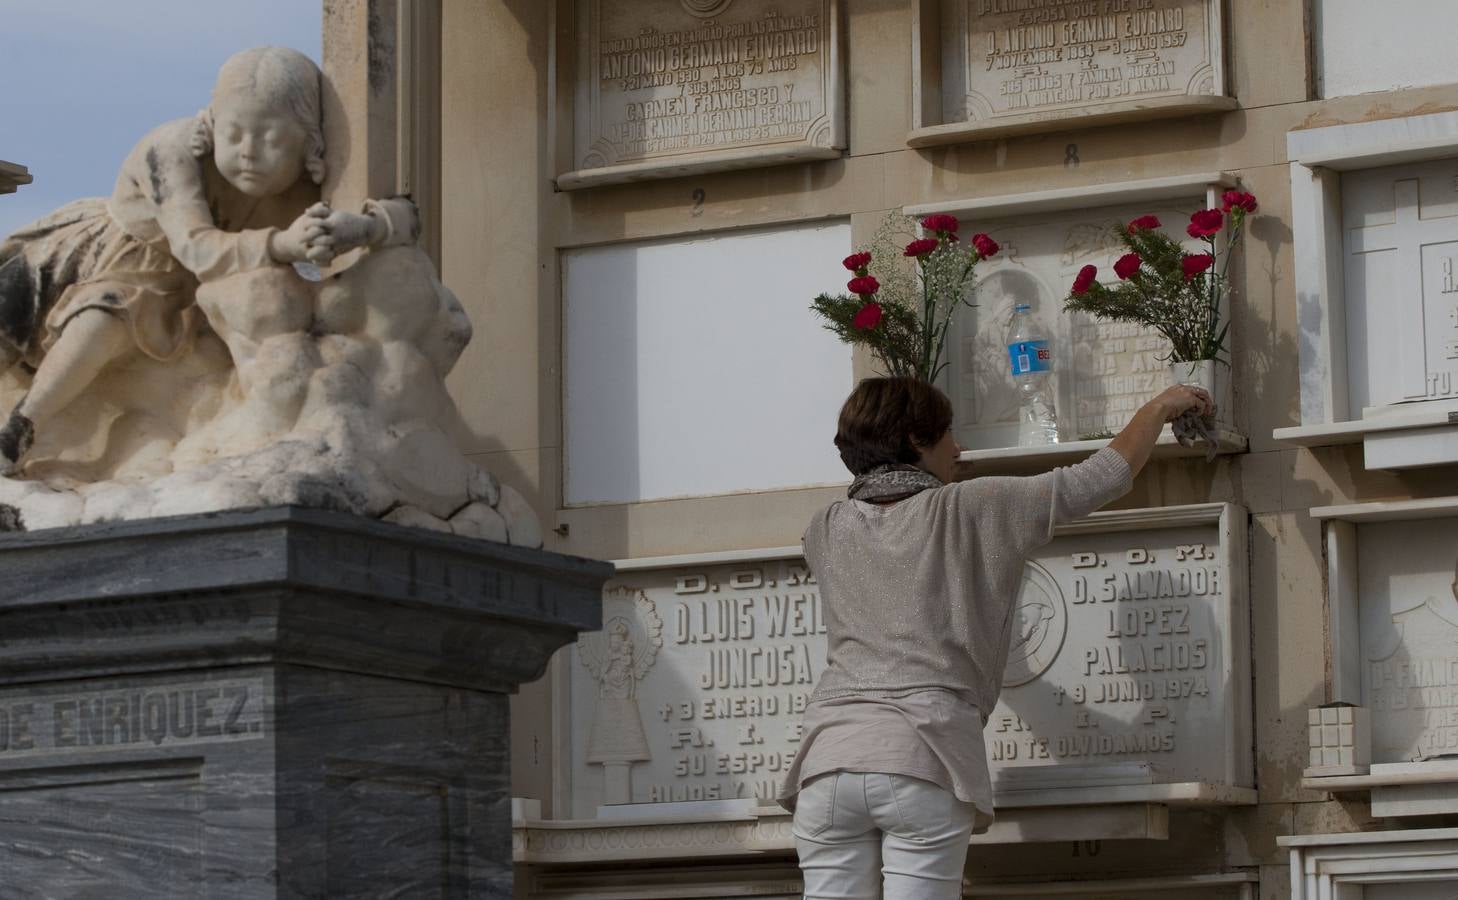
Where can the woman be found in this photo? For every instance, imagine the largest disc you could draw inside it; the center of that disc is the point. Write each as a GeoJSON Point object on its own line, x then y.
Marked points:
{"type": "Point", "coordinates": [919, 576]}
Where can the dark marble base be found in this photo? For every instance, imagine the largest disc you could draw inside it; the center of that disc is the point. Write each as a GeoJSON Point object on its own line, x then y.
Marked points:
{"type": "Point", "coordinates": [271, 704]}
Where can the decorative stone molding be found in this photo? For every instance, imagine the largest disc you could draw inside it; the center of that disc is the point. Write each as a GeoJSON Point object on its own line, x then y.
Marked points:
{"type": "Point", "coordinates": [1392, 620]}
{"type": "Point", "coordinates": [1380, 393]}
{"type": "Point", "coordinates": [1327, 866]}
{"type": "Point", "coordinates": [1340, 740]}
{"type": "Point", "coordinates": [980, 71]}
{"type": "Point", "coordinates": [697, 86]}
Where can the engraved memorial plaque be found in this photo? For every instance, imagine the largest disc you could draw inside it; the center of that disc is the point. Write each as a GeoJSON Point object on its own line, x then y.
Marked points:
{"type": "Point", "coordinates": [1009, 65]}
{"type": "Point", "coordinates": [1103, 371]}
{"type": "Point", "coordinates": [1401, 256]}
{"type": "Point", "coordinates": [1127, 648]}
{"type": "Point", "coordinates": [1122, 648]}
{"type": "Point", "coordinates": [681, 86]}
{"type": "Point", "coordinates": [716, 665]}
{"type": "Point", "coordinates": [1408, 606]}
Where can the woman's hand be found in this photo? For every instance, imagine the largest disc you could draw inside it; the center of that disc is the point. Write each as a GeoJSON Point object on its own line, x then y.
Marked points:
{"type": "Point", "coordinates": [1176, 401]}
{"type": "Point", "coordinates": [1136, 441]}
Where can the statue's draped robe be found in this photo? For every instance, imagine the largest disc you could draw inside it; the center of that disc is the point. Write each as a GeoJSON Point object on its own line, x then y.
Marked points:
{"type": "Point", "coordinates": [171, 221]}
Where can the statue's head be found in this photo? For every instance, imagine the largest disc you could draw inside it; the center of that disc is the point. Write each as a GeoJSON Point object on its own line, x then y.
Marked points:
{"type": "Point", "coordinates": [263, 127]}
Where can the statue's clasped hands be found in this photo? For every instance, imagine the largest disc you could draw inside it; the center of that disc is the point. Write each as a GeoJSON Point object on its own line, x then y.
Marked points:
{"type": "Point", "coordinates": [322, 233]}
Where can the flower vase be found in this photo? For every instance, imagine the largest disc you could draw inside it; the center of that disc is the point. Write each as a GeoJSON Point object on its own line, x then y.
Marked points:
{"type": "Point", "coordinates": [1211, 375]}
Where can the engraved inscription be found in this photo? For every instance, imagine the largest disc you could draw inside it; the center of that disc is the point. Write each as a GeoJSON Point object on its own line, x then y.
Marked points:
{"type": "Point", "coordinates": [668, 82]}
{"type": "Point", "coordinates": [157, 716]}
{"type": "Point", "coordinates": [742, 646]}
{"type": "Point", "coordinates": [1117, 654]}
{"type": "Point", "coordinates": [1408, 602]}
{"type": "Point", "coordinates": [1033, 56]}
{"type": "Point", "coordinates": [1141, 669]}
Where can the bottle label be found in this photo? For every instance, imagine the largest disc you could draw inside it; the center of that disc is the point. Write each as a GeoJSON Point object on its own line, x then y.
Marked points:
{"type": "Point", "coordinates": [1030, 357]}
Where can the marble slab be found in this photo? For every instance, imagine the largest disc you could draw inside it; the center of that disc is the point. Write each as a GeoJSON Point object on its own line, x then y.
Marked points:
{"type": "Point", "coordinates": [667, 89]}
{"type": "Point", "coordinates": [255, 705]}
{"type": "Point", "coordinates": [1130, 649]}
{"type": "Point", "coordinates": [1011, 66]}
{"type": "Point", "coordinates": [1408, 606]}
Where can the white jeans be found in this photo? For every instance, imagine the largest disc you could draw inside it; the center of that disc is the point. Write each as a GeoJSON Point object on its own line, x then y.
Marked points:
{"type": "Point", "coordinates": [863, 837]}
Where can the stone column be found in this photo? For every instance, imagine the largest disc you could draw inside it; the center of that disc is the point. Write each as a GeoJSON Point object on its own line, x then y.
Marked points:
{"type": "Point", "coordinates": [382, 90]}
{"type": "Point", "coordinates": [268, 704]}
{"type": "Point", "coordinates": [361, 101]}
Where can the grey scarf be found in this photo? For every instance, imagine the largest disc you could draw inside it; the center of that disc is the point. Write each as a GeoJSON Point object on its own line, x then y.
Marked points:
{"type": "Point", "coordinates": [891, 482]}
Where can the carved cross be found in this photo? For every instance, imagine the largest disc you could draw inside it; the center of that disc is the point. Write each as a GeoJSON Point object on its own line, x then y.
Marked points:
{"type": "Point", "coordinates": [1407, 234]}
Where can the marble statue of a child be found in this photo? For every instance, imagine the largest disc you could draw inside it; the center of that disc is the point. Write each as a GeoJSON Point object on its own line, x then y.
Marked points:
{"type": "Point", "coordinates": [232, 190]}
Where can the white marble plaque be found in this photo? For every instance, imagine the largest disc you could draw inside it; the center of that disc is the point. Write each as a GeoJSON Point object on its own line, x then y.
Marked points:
{"type": "Point", "coordinates": [696, 85]}
{"type": "Point", "coordinates": [1034, 59]}
{"type": "Point", "coordinates": [1125, 651]}
{"type": "Point", "coordinates": [1401, 266]}
{"type": "Point", "coordinates": [714, 666]}
{"type": "Point", "coordinates": [1103, 371]}
{"type": "Point", "coordinates": [1120, 655]}
{"type": "Point", "coordinates": [1408, 604]}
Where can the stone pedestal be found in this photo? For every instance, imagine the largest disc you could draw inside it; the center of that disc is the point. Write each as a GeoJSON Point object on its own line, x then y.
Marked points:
{"type": "Point", "coordinates": [267, 704]}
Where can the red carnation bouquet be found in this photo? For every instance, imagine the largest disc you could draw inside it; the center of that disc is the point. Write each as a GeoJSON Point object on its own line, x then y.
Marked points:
{"type": "Point", "coordinates": [902, 312]}
{"type": "Point", "coordinates": [1163, 286]}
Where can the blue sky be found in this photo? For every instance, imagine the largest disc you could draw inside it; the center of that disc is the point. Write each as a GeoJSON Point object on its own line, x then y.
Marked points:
{"type": "Point", "coordinates": [82, 80]}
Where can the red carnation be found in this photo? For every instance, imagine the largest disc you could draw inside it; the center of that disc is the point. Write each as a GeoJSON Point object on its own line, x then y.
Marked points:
{"type": "Point", "coordinates": [864, 284]}
{"type": "Point", "coordinates": [857, 261]}
{"type": "Point", "coordinates": [985, 245]}
{"type": "Point", "coordinates": [1143, 223]}
{"type": "Point", "coordinates": [921, 247]}
{"type": "Point", "coordinates": [1085, 279]}
{"type": "Point", "coordinates": [1205, 223]}
{"type": "Point", "coordinates": [940, 223]}
{"type": "Point", "coordinates": [868, 317]}
{"type": "Point", "coordinates": [1194, 264]}
{"type": "Point", "coordinates": [1239, 200]}
{"type": "Point", "coordinates": [1127, 265]}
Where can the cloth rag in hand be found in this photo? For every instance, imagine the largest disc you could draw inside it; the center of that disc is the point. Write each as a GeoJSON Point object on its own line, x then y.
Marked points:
{"type": "Point", "coordinates": [1190, 427]}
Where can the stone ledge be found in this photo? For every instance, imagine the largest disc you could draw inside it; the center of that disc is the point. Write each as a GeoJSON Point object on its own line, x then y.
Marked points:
{"type": "Point", "coordinates": [563, 842]}
{"type": "Point", "coordinates": [1007, 459]}
{"type": "Point", "coordinates": [1107, 812]}
{"type": "Point", "coordinates": [12, 176]}
{"type": "Point", "coordinates": [287, 585]}
{"type": "Point", "coordinates": [1068, 120]}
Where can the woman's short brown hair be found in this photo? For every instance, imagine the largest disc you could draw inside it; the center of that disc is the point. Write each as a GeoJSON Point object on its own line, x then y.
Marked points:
{"type": "Point", "coordinates": [884, 416]}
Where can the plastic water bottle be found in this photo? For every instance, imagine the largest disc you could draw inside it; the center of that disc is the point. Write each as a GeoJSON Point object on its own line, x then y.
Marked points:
{"type": "Point", "coordinates": [1031, 357]}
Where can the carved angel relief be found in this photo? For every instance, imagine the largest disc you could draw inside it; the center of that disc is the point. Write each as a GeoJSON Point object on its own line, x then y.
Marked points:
{"type": "Point", "coordinates": [618, 657]}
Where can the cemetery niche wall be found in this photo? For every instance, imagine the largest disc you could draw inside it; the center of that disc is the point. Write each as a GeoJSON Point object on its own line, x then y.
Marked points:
{"type": "Point", "coordinates": [991, 68]}
{"type": "Point", "coordinates": [1127, 690]}
{"type": "Point", "coordinates": [1103, 371]}
{"type": "Point", "coordinates": [1393, 583]}
{"type": "Point", "coordinates": [1375, 215]}
{"type": "Point", "coordinates": [669, 89]}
